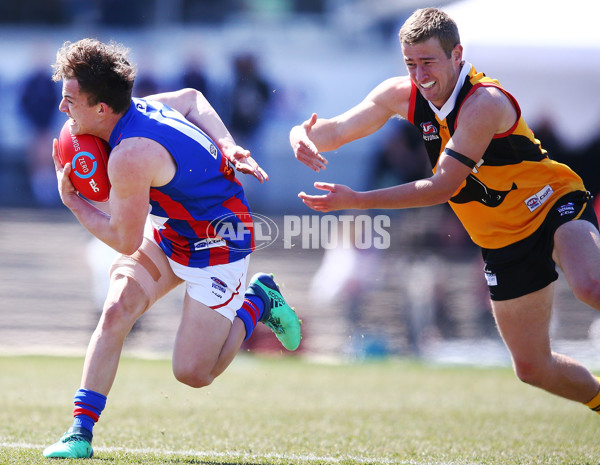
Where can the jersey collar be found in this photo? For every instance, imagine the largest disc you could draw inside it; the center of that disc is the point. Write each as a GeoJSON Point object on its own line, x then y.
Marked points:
{"type": "Point", "coordinates": [443, 112]}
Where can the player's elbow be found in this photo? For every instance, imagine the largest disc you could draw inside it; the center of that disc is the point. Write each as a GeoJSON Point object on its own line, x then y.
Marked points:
{"type": "Point", "coordinates": [447, 196]}
{"type": "Point", "coordinates": [441, 197]}
{"type": "Point", "coordinates": [440, 191]}
{"type": "Point", "coordinates": [128, 246]}
{"type": "Point", "coordinates": [190, 93]}
{"type": "Point", "coordinates": [125, 237]}
{"type": "Point", "coordinates": [193, 100]}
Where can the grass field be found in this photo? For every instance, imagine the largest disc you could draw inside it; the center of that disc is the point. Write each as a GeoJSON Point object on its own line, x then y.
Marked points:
{"type": "Point", "coordinates": [291, 411]}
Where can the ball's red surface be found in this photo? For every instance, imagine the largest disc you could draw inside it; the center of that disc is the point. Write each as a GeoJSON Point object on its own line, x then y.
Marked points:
{"type": "Point", "coordinates": [88, 156]}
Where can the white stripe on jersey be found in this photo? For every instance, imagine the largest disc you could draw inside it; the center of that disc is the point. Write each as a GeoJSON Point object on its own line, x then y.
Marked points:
{"type": "Point", "coordinates": [173, 118]}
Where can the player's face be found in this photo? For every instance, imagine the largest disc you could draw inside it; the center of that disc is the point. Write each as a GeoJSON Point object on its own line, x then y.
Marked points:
{"type": "Point", "coordinates": [75, 104]}
{"type": "Point", "coordinates": [433, 73]}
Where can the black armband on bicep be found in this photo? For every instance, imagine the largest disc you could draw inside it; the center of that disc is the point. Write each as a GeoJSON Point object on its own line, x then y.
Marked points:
{"type": "Point", "coordinates": [461, 158]}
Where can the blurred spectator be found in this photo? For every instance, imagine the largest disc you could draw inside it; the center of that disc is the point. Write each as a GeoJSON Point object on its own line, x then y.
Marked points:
{"type": "Point", "coordinates": [132, 13]}
{"type": "Point", "coordinates": [146, 80]}
{"type": "Point", "coordinates": [584, 161]}
{"type": "Point", "coordinates": [194, 77]}
{"type": "Point", "coordinates": [31, 11]}
{"type": "Point", "coordinates": [208, 11]}
{"type": "Point", "coordinates": [250, 96]}
{"type": "Point", "coordinates": [145, 85]}
{"type": "Point", "coordinates": [590, 157]}
{"type": "Point", "coordinates": [544, 131]}
{"type": "Point", "coordinates": [38, 103]}
{"type": "Point", "coordinates": [310, 6]}
{"type": "Point", "coordinates": [194, 74]}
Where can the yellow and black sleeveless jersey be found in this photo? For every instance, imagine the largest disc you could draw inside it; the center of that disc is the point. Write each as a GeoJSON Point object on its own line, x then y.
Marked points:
{"type": "Point", "coordinates": [508, 194]}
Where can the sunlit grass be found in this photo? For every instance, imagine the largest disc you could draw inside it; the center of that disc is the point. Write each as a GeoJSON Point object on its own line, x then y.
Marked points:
{"type": "Point", "coordinates": [291, 411]}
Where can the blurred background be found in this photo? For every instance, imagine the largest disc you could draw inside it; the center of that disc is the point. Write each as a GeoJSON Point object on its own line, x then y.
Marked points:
{"type": "Point", "coordinates": [266, 65]}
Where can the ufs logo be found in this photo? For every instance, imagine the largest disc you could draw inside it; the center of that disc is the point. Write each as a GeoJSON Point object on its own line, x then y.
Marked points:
{"type": "Point", "coordinates": [84, 165]}
{"type": "Point", "coordinates": [430, 131]}
{"type": "Point", "coordinates": [237, 229]}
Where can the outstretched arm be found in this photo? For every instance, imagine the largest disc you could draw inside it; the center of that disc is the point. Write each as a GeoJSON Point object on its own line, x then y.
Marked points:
{"type": "Point", "coordinates": [486, 113]}
{"type": "Point", "coordinates": [318, 135]}
{"type": "Point", "coordinates": [422, 193]}
{"type": "Point", "coordinates": [193, 105]}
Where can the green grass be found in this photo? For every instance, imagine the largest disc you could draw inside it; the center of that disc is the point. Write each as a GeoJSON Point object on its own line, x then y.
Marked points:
{"type": "Point", "coordinates": [290, 411]}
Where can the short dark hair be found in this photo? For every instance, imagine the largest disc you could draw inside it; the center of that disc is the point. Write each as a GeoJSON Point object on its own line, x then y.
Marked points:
{"type": "Point", "coordinates": [102, 71]}
{"type": "Point", "coordinates": [426, 23]}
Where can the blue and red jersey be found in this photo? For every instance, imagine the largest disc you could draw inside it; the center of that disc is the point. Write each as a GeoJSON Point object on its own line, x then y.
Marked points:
{"type": "Point", "coordinates": [201, 217]}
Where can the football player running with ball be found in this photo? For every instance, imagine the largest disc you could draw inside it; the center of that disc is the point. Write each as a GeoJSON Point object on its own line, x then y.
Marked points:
{"type": "Point", "coordinates": [171, 152]}
{"type": "Point", "coordinates": [527, 212]}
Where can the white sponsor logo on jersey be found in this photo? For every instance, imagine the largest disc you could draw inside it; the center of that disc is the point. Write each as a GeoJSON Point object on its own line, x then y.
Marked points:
{"type": "Point", "coordinates": [537, 199]}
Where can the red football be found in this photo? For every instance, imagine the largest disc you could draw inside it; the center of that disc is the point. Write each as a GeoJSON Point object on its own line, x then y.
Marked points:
{"type": "Point", "coordinates": [88, 156]}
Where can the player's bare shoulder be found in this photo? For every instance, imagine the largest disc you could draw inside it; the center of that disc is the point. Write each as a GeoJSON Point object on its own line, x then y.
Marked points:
{"type": "Point", "coordinates": [492, 104]}
{"type": "Point", "coordinates": [394, 93]}
{"type": "Point", "coordinates": [141, 160]}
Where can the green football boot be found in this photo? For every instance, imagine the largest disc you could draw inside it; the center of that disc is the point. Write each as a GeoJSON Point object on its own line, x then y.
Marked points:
{"type": "Point", "coordinates": [71, 446]}
{"type": "Point", "coordinates": [278, 315]}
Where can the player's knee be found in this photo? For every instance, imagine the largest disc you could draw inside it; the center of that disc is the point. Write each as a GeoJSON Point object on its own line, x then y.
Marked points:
{"type": "Point", "coordinates": [529, 372]}
{"type": "Point", "coordinates": [193, 377]}
{"type": "Point", "coordinates": [124, 305]}
{"type": "Point", "coordinates": [117, 319]}
{"type": "Point", "coordinates": [588, 291]}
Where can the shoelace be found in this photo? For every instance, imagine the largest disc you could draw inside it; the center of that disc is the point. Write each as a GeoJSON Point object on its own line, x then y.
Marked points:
{"type": "Point", "coordinates": [74, 437]}
{"type": "Point", "coordinates": [275, 324]}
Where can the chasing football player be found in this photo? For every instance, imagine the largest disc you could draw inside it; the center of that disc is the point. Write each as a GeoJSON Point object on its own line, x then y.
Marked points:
{"type": "Point", "coordinates": [526, 212]}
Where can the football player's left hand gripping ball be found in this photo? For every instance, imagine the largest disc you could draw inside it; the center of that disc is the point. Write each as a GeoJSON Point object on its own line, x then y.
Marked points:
{"type": "Point", "coordinates": [88, 156]}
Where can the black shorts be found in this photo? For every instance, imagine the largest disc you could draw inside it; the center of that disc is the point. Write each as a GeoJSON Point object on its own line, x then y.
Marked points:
{"type": "Point", "coordinates": [527, 266]}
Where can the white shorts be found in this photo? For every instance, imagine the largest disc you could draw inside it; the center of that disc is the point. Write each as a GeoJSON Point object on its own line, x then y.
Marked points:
{"type": "Point", "coordinates": [219, 287]}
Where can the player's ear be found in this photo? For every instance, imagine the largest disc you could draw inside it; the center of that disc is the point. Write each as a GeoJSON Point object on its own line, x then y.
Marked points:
{"type": "Point", "coordinates": [457, 52]}
{"type": "Point", "coordinates": [103, 108]}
